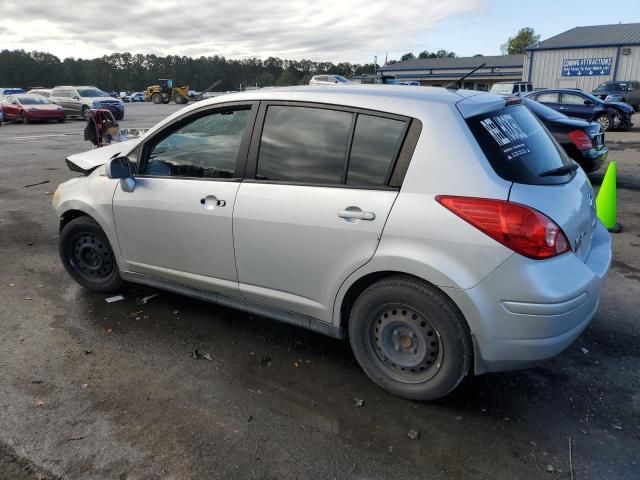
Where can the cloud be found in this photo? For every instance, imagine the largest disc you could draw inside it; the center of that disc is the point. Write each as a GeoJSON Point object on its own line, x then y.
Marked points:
{"type": "Point", "coordinates": [333, 30]}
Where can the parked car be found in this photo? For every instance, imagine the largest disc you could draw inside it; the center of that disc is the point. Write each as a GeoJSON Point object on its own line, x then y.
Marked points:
{"type": "Point", "coordinates": [579, 104]}
{"type": "Point", "coordinates": [627, 92]}
{"type": "Point", "coordinates": [134, 97]}
{"type": "Point", "coordinates": [43, 92]}
{"type": "Point", "coordinates": [583, 141]}
{"type": "Point", "coordinates": [77, 101]}
{"type": "Point", "coordinates": [30, 108]}
{"type": "Point", "coordinates": [410, 83]}
{"type": "Point", "coordinates": [378, 79]}
{"type": "Point", "coordinates": [334, 214]}
{"type": "Point", "coordinates": [511, 88]}
{"type": "Point", "coordinates": [328, 80]}
{"type": "Point", "coordinates": [10, 91]}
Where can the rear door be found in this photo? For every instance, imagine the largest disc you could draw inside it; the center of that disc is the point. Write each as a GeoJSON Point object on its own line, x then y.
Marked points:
{"type": "Point", "coordinates": [520, 150]}
{"type": "Point", "coordinates": [314, 202]}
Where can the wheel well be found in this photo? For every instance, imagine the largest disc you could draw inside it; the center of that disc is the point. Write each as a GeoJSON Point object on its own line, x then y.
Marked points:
{"type": "Point", "coordinates": [70, 215]}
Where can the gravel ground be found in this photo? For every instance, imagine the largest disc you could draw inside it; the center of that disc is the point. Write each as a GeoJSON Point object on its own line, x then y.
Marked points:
{"type": "Point", "coordinates": [92, 390]}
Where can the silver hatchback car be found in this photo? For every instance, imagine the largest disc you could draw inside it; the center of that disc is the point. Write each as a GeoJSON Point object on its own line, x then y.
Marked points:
{"type": "Point", "coordinates": [444, 232]}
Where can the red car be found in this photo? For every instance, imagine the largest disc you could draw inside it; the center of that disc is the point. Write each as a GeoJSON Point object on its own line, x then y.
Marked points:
{"type": "Point", "coordinates": [30, 108]}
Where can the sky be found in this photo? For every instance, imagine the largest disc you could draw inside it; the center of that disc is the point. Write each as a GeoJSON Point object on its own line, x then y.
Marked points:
{"type": "Point", "coordinates": [321, 30]}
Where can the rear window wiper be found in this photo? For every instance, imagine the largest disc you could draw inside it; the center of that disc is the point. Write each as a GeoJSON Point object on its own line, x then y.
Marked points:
{"type": "Point", "coordinates": [563, 170]}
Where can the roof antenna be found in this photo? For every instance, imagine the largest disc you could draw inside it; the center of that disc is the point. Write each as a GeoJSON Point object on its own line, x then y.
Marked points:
{"type": "Point", "coordinates": [458, 83]}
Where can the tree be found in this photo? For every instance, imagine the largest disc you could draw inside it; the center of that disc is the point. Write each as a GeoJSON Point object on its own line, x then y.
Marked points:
{"type": "Point", "coordinates": [438, 54]}
{"type": "Point", "coordinates": [523, 39]}
{"type": "Point", "coordinates": [407, 56]}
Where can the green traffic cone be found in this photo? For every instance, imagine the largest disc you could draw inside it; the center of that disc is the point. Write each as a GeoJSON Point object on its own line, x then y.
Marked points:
{"type": "Point", "coordinates": [606, 200]}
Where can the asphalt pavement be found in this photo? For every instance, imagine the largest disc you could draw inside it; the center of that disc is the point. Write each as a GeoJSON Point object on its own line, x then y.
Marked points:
{"type": "Point", "coordinates": [97, 390]}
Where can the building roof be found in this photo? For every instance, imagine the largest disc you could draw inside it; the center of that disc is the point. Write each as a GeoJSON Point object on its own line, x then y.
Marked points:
{"type": "Point", "coordinates": [456, 62]}
{"type": "Point", "coordinates": [593, 36]}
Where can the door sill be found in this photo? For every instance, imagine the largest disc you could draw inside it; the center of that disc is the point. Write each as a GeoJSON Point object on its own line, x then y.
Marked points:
{"type": "Point", "coordinates": [255, 308]}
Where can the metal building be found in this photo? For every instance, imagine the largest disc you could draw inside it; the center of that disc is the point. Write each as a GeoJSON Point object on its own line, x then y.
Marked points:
{"type": "Point", "coordinates": [584, 57]}
{"type": "Point", "coordinates": [438, 72]}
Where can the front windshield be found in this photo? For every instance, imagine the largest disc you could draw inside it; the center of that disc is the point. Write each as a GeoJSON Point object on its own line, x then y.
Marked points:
{"type": "Point", "coordinates": [502, 88]}
{"type": "Point", "coordinates": [91, 92]}
{"type": "Point", "coordinates": [341, 79]}
{"type": "Point", "coordinates": [612, 87]}
{"type": "Point", "coordinates": [33, 100]}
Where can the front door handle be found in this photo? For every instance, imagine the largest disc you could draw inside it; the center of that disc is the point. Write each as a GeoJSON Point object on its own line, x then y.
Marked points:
{"type": "Point", "coordinates": [210, 202]}
{"type": "Point", "coordinates": [352, 214]}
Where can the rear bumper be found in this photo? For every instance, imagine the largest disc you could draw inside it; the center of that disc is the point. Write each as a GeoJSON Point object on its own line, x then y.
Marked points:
{"type": "Point", "coordinates": [592, 160]}
{"type": "Point", "coordinates": [528, 311]}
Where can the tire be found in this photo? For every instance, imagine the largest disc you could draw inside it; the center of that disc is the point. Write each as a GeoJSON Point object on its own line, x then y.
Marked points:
{"type": "Point", "coordinates": [85, 112]}
{"type": "Point", "coordinates": [605, 120]}
{"type": "Point", "coordinates": [63, 119]}
{"type": "Point", "coordinates": [156, 98]}
{"type": "Point", "coordinates": [180, 99]}
{"type": "Point", "coordinates": [23, 118]}
{"type": "Point", "coordinates": [87, 255]}
{"type": "Point", "coordinates": [410, 339]}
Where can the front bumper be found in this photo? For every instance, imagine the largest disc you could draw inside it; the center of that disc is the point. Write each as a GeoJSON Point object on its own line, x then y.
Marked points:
{"type": "Point", "coordinates": [527, 311]}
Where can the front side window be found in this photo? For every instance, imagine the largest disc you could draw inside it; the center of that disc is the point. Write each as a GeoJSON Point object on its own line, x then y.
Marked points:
{"type": "Point", "coordinates": [207, 147]}
{"type": "Point", "coordinates": [303, 145]}
{"type": "Point", "coordinates": [374, 149]}
{"type": "Point", "coordinates": [91, 92]}
{"type": "Point", "coordinates": [570, 99]}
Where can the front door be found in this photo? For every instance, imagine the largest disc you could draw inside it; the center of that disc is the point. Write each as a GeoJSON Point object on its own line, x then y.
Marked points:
{"type": "Point", "coordinates": [574, 105]}
{"type": "Point", "coordinates": [177, 222]}
{"type": "Point", "coordinates": [314, 205]}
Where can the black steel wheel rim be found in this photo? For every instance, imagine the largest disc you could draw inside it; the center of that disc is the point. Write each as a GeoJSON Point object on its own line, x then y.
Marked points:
{"type": "Point", "coordinates": [405, 344]}
{"type": "Point", "coordinates": [91, 257]}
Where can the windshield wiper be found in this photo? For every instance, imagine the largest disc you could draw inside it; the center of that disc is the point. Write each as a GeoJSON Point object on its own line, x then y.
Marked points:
{"type": "Point", "coordinates": [563, 170]}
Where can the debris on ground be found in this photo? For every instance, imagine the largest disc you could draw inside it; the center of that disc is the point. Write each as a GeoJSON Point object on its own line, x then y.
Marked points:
{"type": "Point", "coordinates": [584, 350]}
{"type": "Point", "coordinates": [265, 361]}
{"type": "Point", "coordinates": [550, 469]}
{"type": "Point", "coordinates": [88, 352]}
{"type": "Point", "coordinates": [144, 300]}
{"type": "Point", "coordinates": [115, 298]}
{"type": "Point", "coordinates": [194, 354]}
{"type": "Point", "coordinates": [40, 403]}
{"type": "Point", "coordinates": [109, 330]}
{"type": "Point", "coordinates": [358, 402]}
{"type": "Point", "coordinates": [207, 356]}
{"type": "Point", "coordinates": [250, 418]}
{"type": "Point", "coordinates": [36, 184]}
{"type": "Point", "coordinates": [617, 427]}
{"type": "Point", "coordinates": [413, 434]}
{"type": "Point", "coordinates": [84, 385]}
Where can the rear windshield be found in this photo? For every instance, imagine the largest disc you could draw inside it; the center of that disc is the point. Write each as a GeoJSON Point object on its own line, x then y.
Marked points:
{"type": "Point", "coordinates": [519, 147]}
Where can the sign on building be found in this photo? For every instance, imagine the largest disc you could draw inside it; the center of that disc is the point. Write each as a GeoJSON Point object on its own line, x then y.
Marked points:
{"type": "Point", "coordinates": [586, 67]}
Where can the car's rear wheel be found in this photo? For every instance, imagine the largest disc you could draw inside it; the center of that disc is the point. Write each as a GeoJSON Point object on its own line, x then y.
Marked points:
{"type": "Point", "coordinates": [87, 255]}
{"type": "Point", "coordinates": [605, 121]}
{"type": "Point", "coordinates": [409, 338]}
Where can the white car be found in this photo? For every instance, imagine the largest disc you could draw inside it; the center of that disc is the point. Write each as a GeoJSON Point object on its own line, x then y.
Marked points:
{"type": "Point", "coordinates": [328, 80]}
{"type": "Point", "coordinates": [444, 232]}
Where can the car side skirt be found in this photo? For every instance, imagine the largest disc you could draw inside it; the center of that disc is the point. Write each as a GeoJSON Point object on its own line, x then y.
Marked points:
{"type": "Point", "coordinates": [238, 303]}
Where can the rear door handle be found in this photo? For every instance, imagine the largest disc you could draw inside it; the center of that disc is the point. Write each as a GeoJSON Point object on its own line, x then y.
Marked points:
{"type": "Point", "coordinates": [358, 214]}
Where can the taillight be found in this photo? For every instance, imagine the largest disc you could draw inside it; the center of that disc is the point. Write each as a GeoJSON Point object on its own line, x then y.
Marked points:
{"type": "Point", "coordinates": [522, 229]}
{"type": "Point", "coordinates": [581, 140]}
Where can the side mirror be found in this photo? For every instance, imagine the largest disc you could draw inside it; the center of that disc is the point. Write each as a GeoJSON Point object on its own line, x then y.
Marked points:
{"type": "Point", "coordinates": [76, 97]}
{"type": "Point", "coordinates": [119, 168]}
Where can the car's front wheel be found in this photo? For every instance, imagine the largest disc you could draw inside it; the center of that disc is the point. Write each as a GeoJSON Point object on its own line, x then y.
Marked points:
{"type": "Point", "coordinates": [87, 255]}
{"type": "Point", "coordinates": [85, 112]}
{"type": "Point", "coordinates": [410, 339]}
{"type": "Point", "coordinates": [605, 120]}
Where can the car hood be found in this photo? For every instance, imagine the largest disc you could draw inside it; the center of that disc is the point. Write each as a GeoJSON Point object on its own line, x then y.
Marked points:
{"type": "Point", "coordinates": [86, 162]}
{"type": "Point", "coordinates": [44, 108]}
{"type": "Point", "coordinates": [620, 105]}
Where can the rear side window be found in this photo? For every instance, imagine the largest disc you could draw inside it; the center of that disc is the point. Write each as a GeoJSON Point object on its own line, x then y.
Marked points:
{"type": "Point", "coordinates": [518, 146]}
{"type": "Point", "coordinates": [304, 145]}
{"type": "Point", "coordinates": [375, 146]}
{"type": "Point", "coordinates": [547, 98]}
